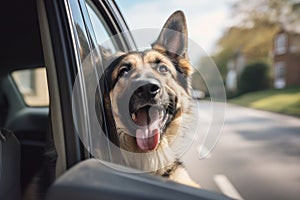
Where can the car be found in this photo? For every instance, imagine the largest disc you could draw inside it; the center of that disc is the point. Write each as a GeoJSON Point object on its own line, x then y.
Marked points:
{"type": "Point", "coordinates": [44, 44]}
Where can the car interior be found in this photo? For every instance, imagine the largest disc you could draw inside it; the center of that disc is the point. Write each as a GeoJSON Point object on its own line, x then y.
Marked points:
{"type": "Point", "coordinates": [21, 49]}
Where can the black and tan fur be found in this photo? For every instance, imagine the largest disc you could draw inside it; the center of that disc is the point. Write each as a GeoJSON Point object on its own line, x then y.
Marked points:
{"type": "Point", "coordinates": [166, 70]}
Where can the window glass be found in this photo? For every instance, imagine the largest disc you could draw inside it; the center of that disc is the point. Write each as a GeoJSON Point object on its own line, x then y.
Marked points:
{"type": "Point", "coordinates": [281, 43]}
{"type": "Point", "coordinates": [94, 97]}
{"type": "Point", "coordinates": [91, 30]}
{"type": "Point", "coordinates": [279, 75]}
{"type": "Point", "coordinates": [234, 33]}
{"type": "Point", "coordinates": [32, 84]}
{"type": "Point", "coordinates": [101, 29]}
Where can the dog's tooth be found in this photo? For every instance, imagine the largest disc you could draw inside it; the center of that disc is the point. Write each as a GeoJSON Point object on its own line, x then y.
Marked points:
{"type": "Point", "coordinates": [161, 114]}
{"type": "Point", "coordinates": [133, 116]}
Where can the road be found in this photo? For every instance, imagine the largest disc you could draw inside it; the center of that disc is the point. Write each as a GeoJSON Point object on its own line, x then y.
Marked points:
{"type": "Point", "coordinates": [257, 156]}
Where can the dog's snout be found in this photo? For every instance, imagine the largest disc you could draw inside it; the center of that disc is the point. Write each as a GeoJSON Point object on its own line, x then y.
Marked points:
{"type": "Point", "coordinates": [148, 91]}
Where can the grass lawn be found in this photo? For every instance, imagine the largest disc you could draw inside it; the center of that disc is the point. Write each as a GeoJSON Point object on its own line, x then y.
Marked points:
{"type": "Point", "coordinates": [285, 101]}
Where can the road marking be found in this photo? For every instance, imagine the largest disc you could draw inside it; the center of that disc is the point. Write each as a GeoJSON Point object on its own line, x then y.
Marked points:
{"type": "Point", "coordinates": [226, 186]}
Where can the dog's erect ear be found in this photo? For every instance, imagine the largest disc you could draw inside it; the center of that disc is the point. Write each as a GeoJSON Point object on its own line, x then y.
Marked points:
{"type": "Point", "coordinates": [173, 40]}
{"type": "Point", "coordinates": [173, 37]}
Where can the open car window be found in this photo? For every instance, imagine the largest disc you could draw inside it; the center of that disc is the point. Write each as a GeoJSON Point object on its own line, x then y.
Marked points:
{"type": "Point", "coordinates": [107, 109]}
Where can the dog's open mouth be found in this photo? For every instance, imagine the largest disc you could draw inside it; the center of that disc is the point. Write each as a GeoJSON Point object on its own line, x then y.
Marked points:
{"type": "Point", "coordinates": [150, 120]}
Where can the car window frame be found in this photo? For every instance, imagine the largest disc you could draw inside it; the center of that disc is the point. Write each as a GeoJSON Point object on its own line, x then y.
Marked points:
{"type": "Point", "coordinates": [63, 27]}
{"type": "Point", "coordinates": [121, 43]}
{"type": "Point", "coordinates": [61, 61]}
{"type": "Point", "coordinates": [60, 58]}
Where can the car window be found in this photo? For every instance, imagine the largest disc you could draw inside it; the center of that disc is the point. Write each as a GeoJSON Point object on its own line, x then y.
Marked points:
{"type": "Point", "coordinates": [101, 30]}
{"type": "Point", "coordinates": [91, 31]}
{"type": "Point", "coordinates": [33, 86]}
{"type": "Point", "coordinates": [91, 106]}
{"type": "Point", "coordinates": [255, 47]}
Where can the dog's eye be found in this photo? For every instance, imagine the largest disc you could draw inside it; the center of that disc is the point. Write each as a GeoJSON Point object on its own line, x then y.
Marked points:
{"type": "Point", "coordinates": [162, 69]}
{"type": "Point", "coordinates": [124, 70]}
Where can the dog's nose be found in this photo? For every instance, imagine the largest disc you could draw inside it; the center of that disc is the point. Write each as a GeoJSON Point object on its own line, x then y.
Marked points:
{"type": "Point", "coordinates": [148, 91]}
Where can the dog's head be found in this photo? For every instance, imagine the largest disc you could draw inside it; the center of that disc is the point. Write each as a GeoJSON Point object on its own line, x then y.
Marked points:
{"type": "Point", "coordinates": [147, 93]}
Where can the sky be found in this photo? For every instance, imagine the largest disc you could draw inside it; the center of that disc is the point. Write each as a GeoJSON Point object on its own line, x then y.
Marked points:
{"type": "Point", "coordinates": [206, 19]}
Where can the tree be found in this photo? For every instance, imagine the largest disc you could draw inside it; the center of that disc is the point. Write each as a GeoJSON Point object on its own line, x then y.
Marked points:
{"type": "Point", "coordinates": [254, 43]}
{"type": "Point", "coordinates": [266, 12]}
{"type": "Point", "coordinates": [253, 78]}
{"type": "Point", "coordinates": [253, 33]}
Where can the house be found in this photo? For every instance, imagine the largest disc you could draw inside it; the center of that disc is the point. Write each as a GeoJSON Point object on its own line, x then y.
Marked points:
{"type": "Point", "coordinates": [286, 59]}
{"type": "Point", "coordinates": [235, 67]}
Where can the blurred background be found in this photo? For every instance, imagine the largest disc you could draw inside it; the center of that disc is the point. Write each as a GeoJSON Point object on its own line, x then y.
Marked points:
{"type": "Point", "coordinates": [255, 45]}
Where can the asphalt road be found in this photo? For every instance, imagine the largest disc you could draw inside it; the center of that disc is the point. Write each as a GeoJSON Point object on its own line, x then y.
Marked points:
{"type": "Point", "coordinates": [257, 155]}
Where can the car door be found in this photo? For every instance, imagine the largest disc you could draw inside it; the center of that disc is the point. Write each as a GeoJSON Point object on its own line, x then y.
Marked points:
{"type": "Point", "coordinates": [68, 38]}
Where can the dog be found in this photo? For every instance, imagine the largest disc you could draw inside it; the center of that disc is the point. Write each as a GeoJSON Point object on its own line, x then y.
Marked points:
{"type": "Point", "coordinates": [147, 102]}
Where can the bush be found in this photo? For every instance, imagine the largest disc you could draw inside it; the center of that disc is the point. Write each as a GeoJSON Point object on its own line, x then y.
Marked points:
{"type": "Point", "coordinates": [254, 77]}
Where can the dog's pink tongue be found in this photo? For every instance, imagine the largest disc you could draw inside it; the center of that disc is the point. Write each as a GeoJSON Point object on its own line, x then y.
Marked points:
{"type": "Point", "coordinates": [147, 137]}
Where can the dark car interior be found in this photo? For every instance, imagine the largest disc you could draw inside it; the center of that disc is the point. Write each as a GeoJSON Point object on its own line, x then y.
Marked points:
{"type": "Point", "coordinates": [21, 48]}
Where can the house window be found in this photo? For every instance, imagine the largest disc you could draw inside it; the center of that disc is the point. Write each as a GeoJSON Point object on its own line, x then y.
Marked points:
{"type": "Point", "coordinates": [280, 70]}
{"type": "Point", "coordinates": [281, 44]}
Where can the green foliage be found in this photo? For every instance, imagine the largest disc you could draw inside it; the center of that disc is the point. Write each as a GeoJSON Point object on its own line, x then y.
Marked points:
{"type": "Point", "coordinates": [254, 43]}
{"type": "Point", "coordinates": [277, 100]}
{"type": "Point", "coordinates": [257, 23]}
{"type": "Point", "coordinates": [254, 77]}
{"type": "Point", "coordinates": [198, 82]}
{"type": "Point", "coordinates": [221, 60]}
{"type": "Point", "coordinates": [266, 12]}
{"type": "Point", "coordinates": [203, 74]}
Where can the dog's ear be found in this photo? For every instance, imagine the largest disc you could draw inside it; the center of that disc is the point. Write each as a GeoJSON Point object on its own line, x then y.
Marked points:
{"type": "Point", "coordinates": [173, 37]}
{"type": "Point", "coordinates": [173, 41]}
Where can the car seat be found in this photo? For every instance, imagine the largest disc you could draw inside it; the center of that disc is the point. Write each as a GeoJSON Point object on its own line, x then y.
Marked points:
{"type": "Point", "coordinates": [9, 166]}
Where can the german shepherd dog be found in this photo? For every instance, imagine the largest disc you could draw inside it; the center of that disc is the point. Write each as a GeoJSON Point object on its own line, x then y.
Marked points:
{"type": "Point", "coordinates": [147, 101]}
